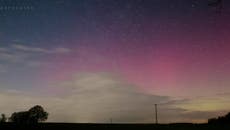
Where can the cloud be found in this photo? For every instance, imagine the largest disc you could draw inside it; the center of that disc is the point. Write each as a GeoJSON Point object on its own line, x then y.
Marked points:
{"type": "Point", "coordinates": [207, 104]}
{"type": "Point", "coordinates": [12, 56]}
{"type": "Point", "coordinates": [98, 97]}
{"type": "Point", "coordinates": [93, 98]}
{"type": "Point", "coordinates": [22, 55]}
{"type": "Point", "coordinates": [35, 63]}
{"type": "Point", "coordinates": [26, 48]}
{"type": "Point", "coordinates": [61, 50]}
{"type": "Point", "coordinates": [3, 68]}
{"type": "Point", "coordinates": [56, 50]}
{"type": "Point", "coordinates": [2, 49]}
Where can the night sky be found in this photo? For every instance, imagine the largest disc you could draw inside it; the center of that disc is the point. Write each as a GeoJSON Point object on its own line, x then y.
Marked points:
{"type": "Point", "coordinates": [93, 60]}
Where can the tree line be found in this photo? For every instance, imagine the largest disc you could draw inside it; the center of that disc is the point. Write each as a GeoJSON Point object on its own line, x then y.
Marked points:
{"type": "Point", "coordinates": [38, 114]}
{"type": "Point", "coordinates": [220, 120]}
{"type": "Point", "coordinates": [33, 115]}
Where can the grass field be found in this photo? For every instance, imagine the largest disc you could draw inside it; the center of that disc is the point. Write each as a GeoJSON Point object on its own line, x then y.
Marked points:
{"type": "Point", "coordinates": [72, 126]}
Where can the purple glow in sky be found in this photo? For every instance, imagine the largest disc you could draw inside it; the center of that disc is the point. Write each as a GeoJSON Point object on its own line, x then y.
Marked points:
{"type": "Point", "coordinates": [116, 59]}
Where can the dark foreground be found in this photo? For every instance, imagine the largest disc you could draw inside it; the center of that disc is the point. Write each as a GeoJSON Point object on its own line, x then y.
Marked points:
{"type": "Point", "coordinates": [69, 126]}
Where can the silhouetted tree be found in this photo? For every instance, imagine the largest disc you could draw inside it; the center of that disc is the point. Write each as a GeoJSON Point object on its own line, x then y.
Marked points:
{"type": "Point", "coordinates": [220, 120]}
{"type": "Point", "coordinates": [34, 115]}
{"type": "Point", "coordinates": [3, 118]}
{"type": "Point", "coordinates": [38, 114]}
{"type": "Point", "coordinates": [20, 117]}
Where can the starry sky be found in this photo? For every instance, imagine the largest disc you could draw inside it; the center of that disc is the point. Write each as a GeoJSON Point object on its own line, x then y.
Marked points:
{"type": "Point", "coordinates": [115, 59]}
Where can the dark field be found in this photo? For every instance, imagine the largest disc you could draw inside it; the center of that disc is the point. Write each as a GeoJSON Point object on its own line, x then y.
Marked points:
{"type": "Point", "coordinates": [71, 126]}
